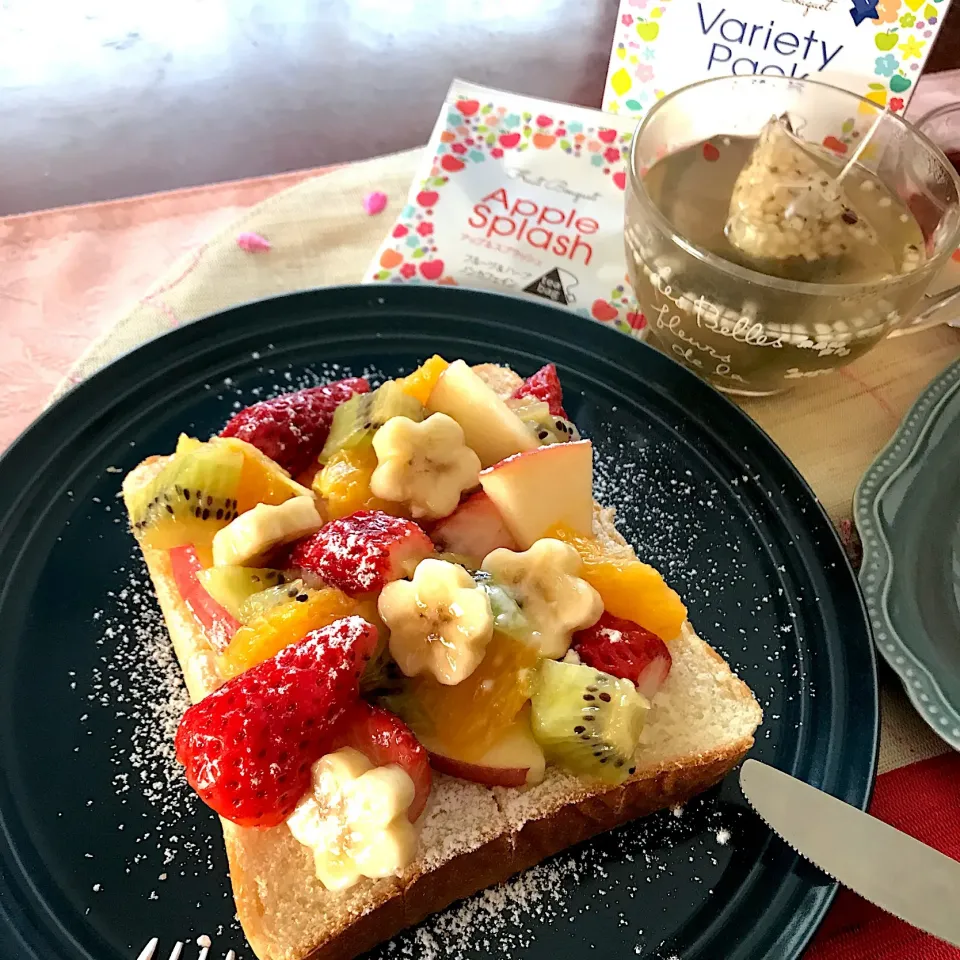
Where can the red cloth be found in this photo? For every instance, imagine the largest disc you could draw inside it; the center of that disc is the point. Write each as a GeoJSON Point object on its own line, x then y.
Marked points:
{"type": "Point", "coordinates": [922, 799]}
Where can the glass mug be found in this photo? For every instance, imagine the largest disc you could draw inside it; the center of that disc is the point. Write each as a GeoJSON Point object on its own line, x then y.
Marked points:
{"type": "Point", "coordinates": [751, 333]}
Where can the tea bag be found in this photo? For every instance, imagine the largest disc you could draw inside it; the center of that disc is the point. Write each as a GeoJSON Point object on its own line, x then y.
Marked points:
{"type": "Point", "coordinates": [785, 204]}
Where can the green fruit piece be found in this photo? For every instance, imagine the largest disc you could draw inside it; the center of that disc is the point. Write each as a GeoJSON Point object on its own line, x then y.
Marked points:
{"type": "Point", "coordinates": [548, 428]}
{"type": "Point", "coordinates": [586, 721]}
{"type": "Point", "coordinates": [899, 84]}
{"type": "Point", "coordinates": [191, 496]}
{"type": "Point", "coordinates": [508, 618]}
{"type": "Point", "coordinates": [230, 586]}
{"type": "Point", "coordinates": [356, 421]}
{"type": "Point", "coordinates": [259, 603]}
{"type": "Point", "coordinates": [470, 564]}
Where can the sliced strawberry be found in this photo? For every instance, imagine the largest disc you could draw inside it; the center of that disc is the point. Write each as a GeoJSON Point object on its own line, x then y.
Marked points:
{"type": "Point", "coordinates": [382, 737]}
{"type": "Point", "coordinates": [474, 529]}
{"type": "Point", "coordinates": [248, 747]}
{"type": "Point", "coordinates": [218, 625]}
{"type": "Point", "coordinates": [545, 386]}
{"type": "Point", "coordinates": [292, 428]}
{"type": "Point", "coordinates": [363, 552]}
{"type": "Point", "coordinates": [625, 649]}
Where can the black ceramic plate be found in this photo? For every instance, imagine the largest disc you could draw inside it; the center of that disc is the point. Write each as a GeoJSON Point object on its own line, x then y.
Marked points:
{"type": "Point", "coordinates": [102, 847]}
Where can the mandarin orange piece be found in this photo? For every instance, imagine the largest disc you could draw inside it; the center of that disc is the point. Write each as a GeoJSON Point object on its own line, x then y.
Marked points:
{"type": "Point", "coordinates": [629, 587]}
{"type": "Point", "coordinates": [421, 382]}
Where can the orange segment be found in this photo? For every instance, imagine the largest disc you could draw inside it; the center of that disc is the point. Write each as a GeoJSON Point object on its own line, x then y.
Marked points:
{"type": "Point", "coordinates": [262, 480]}
{"type": "Point", "coordinates": [421, 382]}
{"type": "Point", "coordinates": [281, 626]}
{"type": "Point", "coordinates": [469, 718]}
{"type": "Point", "coordinates": [630, 588]}
{"type": "Point", "coordinates": [344, 483]}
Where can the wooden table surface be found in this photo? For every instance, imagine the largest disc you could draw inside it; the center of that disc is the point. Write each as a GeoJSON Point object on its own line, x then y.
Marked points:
{"type": "Point", "coordinates": [100, 99]}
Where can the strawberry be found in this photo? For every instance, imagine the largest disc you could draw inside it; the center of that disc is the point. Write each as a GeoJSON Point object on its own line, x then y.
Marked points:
{"type": "Point", "coordinates": [474, 529]}
{"type": "Point", "coordinates": [382, 737]}
{"type": "Point", "coordinates": [545, 386]}
{"type": "Point", "coordinates": [248, 747]}
{"type": "Point", "coordinates": [625, 649]}
{"type": "Point", "coordinates": [363, 552]}
{"type": "Point", "coordinates": [292, 428]}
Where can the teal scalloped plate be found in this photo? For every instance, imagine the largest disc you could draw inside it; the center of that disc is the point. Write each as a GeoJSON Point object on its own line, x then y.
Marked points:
{"type": "Point", "coordinates": [907, 509]}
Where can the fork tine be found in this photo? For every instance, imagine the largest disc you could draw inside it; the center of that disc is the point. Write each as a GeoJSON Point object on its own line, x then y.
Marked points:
{"type": "Point", "coordinates": [176, 951]}
{"type": "Point", "coordinates": [147, 952]}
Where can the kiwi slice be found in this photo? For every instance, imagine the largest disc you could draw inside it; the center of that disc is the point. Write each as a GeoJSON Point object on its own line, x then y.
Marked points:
{"type": "Point", "coordinates": [230, 586]}
{"type": "Point", "coordinates": [508, 618]}
{"type": "Point", "coordinates": [587, 721]}
{"type": "Point", "coordinates": [548, 428]}
{"type": "Point", "coordinates": [263, 601]}
{"type": "Point", "coordinates": [356, 421]}
{"type": "Point", "coordinates": [189, 498]}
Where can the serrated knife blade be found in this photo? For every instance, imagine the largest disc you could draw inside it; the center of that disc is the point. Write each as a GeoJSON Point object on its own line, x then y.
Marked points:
{"type": "Point", "coordinates": [899, 874]}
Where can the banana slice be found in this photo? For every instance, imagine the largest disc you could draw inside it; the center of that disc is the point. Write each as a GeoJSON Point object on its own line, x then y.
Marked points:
{"type": "Point", "coordinates": [424, 465]}
{"type": "Point", "coordinates": [440, 622]}
{"type": "Point", "coordinates": [253, 533]}
{"type": "Point", "coordinates": [545, 583]}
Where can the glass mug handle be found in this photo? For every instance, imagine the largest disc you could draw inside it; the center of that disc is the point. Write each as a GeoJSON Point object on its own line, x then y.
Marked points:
{"type": "Point", "coordinates": [932, 313]}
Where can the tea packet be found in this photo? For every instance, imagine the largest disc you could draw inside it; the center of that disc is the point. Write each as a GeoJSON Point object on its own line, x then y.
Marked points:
{"type": "Point", "coordinates": [786, 204]}
{"type": "Point", "coordinates": [521, 196]}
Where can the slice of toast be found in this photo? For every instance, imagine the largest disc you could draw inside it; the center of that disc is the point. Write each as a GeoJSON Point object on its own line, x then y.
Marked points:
{"type": "Point", "coordinates": [700, 726]}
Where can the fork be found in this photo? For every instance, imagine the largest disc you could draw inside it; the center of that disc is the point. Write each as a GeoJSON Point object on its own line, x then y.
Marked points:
{"type": "Point", "coordinates": [150, 949]}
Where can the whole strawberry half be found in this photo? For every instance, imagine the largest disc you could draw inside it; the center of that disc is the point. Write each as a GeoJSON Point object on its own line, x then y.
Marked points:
{"type": "Point", "coordinates": [625, 649]}
{"type": "Point", "coordinates": [382, 737]}
{"type": "Point", "coordinates": [545, 386]}
{"type": "Point", "coordinates": [363, 552]}
{"type": "Point", "coordinates": [292, 428]}
{"type": "Point", "coordinates": [249, 746]}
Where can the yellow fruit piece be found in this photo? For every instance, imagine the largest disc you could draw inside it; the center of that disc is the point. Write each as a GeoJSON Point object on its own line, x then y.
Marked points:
{"type": "Point", "coordinates": [470, 717]}
{"type": "Point", "coordinates": [344, 484]}
{"type": "Point", "coordinates": [262, 480]}
{"type": "Point", "coordinates": [629, 588]}
{"type": "Point", "coordinates": [279, 627]}
{"type": "Point", "coordinates": [421, 382]}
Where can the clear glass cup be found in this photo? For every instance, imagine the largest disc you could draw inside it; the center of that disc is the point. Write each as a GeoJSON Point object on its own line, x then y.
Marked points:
{"type": "Point", "coordinates": [751, 333]}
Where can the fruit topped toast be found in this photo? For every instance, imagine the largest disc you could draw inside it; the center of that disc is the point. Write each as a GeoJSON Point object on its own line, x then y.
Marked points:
{"type": "Point", "coordinates": [420, 655]}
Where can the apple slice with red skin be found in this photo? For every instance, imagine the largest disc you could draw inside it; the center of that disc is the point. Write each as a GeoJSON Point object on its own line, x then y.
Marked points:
{"type": "Point", "coordinates": [515, 760]}
{"type": "Point", "coordinates": [543, 488]}
{"type": "Point", "coordinates": [218, 625]}
{"type": "Point", "coordinates": [474, 529]}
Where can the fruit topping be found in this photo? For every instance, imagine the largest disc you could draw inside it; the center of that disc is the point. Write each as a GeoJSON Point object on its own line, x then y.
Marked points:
{"type": "Point", "coordinates": [425, 466]}
{"type": "Point", "coordinates": [263, 601]}
{"type": "Point", "coordinates": [230, 586]}
{"type": "Point", "coordinates": [545, 581]}
{"type": "Point", "coordinates": [363, 552]}
{"type": "Point", "coordinates": [624, 649]}
{"type": "Point", "coordinates": [357, 420]}
{"type": "Point", "coordinates": [421, 382]}
{"type": "Point", "coordinates": [291, 429]}
{"type": "Point", "coordinates": [191, 495]}
{"type": "Point", "coordinates": [283, 622]}
{"type": "Point", "coordinates": [261, 480]}
{"type": "Point", "coordinates": [547, 427]}
{"type": "Point", "coordinates": [354, 819]}
{"type": "Point", "coordinates": [466, 720]}
{"type": "Point", "coordinates": [587, 721]}
{"type": "Point", "coordinates": [490, 427]}
{"type": "Point", "coordinates": [630, 588]}
{"type": "Point", "coordinates": [515, 759]}
{"type": "Point", "coordinates": [253, 534]}
{"type": "Point", "coordinates": [508, 618]}
{"type": "Point", "coordinates": [248, 747]}
{"type": "Point", "coordinates": [344, 484]}
{"type": "Point", "coordinates": [539, 489]}
{"type": "Point", "coordinates": [440, 622]}
{"type": "Point", "coordinates": [544, 385]}
{"type": "Point", "coordinates": [474, 529]}
{"type": "Point", "coordinates": [218, 623]}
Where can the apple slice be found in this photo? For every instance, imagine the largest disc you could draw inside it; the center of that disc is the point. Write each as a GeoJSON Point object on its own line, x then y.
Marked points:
{"type": "Point", "coordinates": [474, 529]}
{"type": "Point", "coordinates": [491, 429]}
{"type": "Point", "coordinates": [516, 760]}
{"type": "Point", "coordinates": [540, 489]}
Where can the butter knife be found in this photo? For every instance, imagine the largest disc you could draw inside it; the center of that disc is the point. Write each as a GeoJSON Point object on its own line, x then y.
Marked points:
{"type": "Point", "coordinates": [885, 866]}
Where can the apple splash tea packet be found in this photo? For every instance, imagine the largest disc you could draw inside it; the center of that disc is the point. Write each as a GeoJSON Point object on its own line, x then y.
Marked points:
{"type": "Point", "coordinates": [521, 196]}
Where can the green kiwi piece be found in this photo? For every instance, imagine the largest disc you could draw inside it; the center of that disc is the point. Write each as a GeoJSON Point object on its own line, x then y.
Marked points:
{"type": "Point", "coordinates": [356, 421]}
{"type": "Point", "coordinates": [508, 618]}
{"type": "Point", "coordinates": [548, 428]}
{"type": "Point", "coordinates": [586, 721]}
{"type": "Point", "coordinates": [191, 497]}
{"type": "Point", "coordinates": [230, 586]}
{"type": "Point", "coordinates": [261, 602]}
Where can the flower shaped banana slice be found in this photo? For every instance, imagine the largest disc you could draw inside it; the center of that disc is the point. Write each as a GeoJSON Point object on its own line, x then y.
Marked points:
{"type": "Point", "coordinates": [440, 621]}
{"type": "Point", "coordinates": [355, 819]}
{"type": "Point", "coordinates": [545, 582]}
{"type": "Point", "coordinates": [424, 465]}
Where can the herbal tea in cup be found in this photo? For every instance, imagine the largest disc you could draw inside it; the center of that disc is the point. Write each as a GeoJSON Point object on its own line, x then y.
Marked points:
{"type": "Point", "coordinates": [771, 228]}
